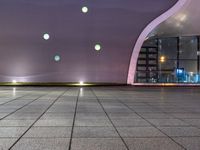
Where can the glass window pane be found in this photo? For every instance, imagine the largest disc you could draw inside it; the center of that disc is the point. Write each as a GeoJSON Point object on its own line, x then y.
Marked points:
{"type": "Point", "coordinates": [168, 48]}
{"type": "Point", "coordinates": [150, 42]}
{"type": "Point", "coordinates": [188, 48]}
{"type": "Point", "coordinates": [188, 65]}
{"type": "Point", "coordinates": [168, 65]}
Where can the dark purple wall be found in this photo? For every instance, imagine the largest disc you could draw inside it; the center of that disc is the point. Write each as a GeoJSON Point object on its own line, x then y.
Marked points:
{"type": "Point", "coordinates": [116, 24]}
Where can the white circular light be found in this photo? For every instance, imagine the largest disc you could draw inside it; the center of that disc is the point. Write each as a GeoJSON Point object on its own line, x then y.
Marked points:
{"type": "Point", "coordinates": [84, 9]}
{"type": "Point", "coordinates": [97, 47]}
{"type": "Point", "coordinates": [57, 58]}
{"type": "Point", "coordinates": [46, 36]}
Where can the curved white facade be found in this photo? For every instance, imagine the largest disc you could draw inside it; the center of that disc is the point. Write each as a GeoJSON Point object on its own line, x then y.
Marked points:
{"type": "Point", "coordinates": [133, 62]}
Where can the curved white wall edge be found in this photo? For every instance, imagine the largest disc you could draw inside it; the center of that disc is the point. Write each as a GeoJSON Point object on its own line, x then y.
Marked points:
{"type": "Point", "coordinates": [133, 62]}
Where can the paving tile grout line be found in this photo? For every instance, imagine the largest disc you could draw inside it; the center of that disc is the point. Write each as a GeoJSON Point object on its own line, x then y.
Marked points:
{"type": "Point", "coordinates": [180, 119]}
{"type": "Point", "coordinates": [37, 119]}
{"type": "Point", "coordinates": [109, 119]}
{"type": "Point", "coordinates": [146, 119]}
{"type": "Point", "coordinates": [149, 137]}
{"type": "Point", "coordinates": [151, 124]}
{"type": "Point", "coordinates": [74, 119]}
{"type": "Point", "coordinates": [17, 98]}
{"type": "Point", "coordinates": [22, 107]}
{"type": "Point", "coordinates": [93, 126]}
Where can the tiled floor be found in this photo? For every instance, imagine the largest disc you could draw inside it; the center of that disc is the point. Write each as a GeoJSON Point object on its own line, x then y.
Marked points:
{"type": "Point", "coordinates": [99, 118]}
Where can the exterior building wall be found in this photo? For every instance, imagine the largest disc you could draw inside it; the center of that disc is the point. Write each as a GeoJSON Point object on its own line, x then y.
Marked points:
{"type": "Point", "coordinates": [25, 56]}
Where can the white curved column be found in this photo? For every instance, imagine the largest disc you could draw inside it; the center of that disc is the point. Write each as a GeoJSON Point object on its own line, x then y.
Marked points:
{"type": "Point", "coordinates": [133, 62]}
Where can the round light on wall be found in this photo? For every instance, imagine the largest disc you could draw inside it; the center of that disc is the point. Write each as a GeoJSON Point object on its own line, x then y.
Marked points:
{"type": "Point", "coordinates": [97, 47]}
{"type": "Point", "coordinates": [46, 36]}
{"type": "Point", "coordinates": [57, 58]}
{"type": "Point", "coordinates": [84, 9]}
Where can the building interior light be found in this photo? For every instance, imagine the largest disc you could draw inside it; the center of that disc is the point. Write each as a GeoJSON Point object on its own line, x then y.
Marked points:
{"type": "Point", "coordinates": [162, 59]}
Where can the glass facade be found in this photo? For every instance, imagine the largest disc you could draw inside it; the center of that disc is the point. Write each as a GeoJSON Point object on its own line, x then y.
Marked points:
{"type": "Point", "coordinates": [169, 60]}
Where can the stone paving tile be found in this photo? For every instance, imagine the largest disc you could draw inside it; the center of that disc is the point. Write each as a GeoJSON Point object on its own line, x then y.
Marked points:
{"type": "Point", "coordinates": [23, 116]}
{"type": "Point", "coordinates": [42, 144]}
{"type": "Point", "coordinates": [118, 110]}
{"type": "Point", "coordinates": [54, 122]}
{"type": "Point", "coordinates": [90, 115]}
{"type": "Point", "coordinates": [147, 110]}
{"type": "Point", "coordinates": [92, 122]}
{"type": "Point", "coordinates": [15, 123]}
{"type": "Point", "coordinates": [125, 106]}
{"type": "Point", "coordinates": [97, 144]}
{"type": "Point", "coordinates": [49, 132]}
{"type": "Point", "coordinates": [186, 115]}
{"type": "Point", "coordinates": [61, 110]}
{"type": "Point", "coordinates": [5, 109]}
{"type": "Point", "coordinates": [12, 132]}
{"type": "Point", "coordinates": [139, 132]}
{"type": "Point", "coordinates": [119, 115]}
{"type": "Point", "coordinates": [95, 132]}
{"type": "Point", "coordinates": [90, 110]}
{"type": "Point", "coordinates": [49, 116]}
{"type": "Point", "coordinates": [173, 110]}
{"type": "Point", "coordinates": [130, 122]}
{"type": "Point", "coordinates": [180, 131]}
{"type": "Point", "coordinates": [5, 143]}
{"type": "Point", "coordinates": [192, 109]}
{"type": "Point", "coordinates": [135, 107]}
{"type": "Point", "coordinates": [194, 122]}
{"type": "Point", "coordinates": [156, 116]}
{"type": "Point", "coordinates": [3, 114]}
{"type": "Point", "coordinates": [152, 144]}
{"type": "Point", "coordinates": [190, 143]}
{"type": "Point", "coordinates": [167, 122]}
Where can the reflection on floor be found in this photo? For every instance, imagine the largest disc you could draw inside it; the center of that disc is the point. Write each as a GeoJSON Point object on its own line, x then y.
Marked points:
{"type": "Point", "coordinates": [99, 118]}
